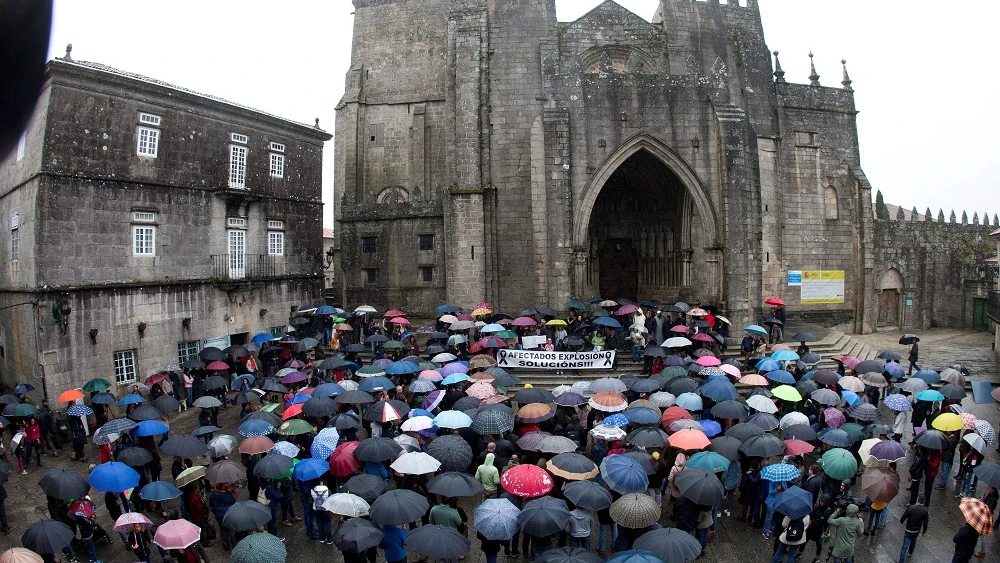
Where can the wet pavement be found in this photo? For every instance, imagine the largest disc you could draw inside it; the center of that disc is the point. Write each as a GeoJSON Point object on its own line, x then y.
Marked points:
{"type": "Point", "coordinates": [733, 542]}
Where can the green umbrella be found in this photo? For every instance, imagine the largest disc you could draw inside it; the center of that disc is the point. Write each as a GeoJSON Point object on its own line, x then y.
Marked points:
{"type": "Point", "coordinates": [340, 320]}
{"type": "Point", "coordinates": [294, 427]}
{"type": "Point", "coordinates": [259, 548]}
{"type": "Point", "coordinates": [96, 384]}
{"type": "Point", "coordinates": [394, 345]}
{"type": "Point", "coordinates": [505, 334]}
{"type": "Point", "coordinates": [709, 461]}
{"type": "Point", "coordinates": [371, 371]}
{"type": "Point", "coordinates": [288, 474]}
{"type": "Point", "coordinates": [853, 430]}
{"type": "Point", "coordinates": [24, 409]}
{"type": "Point", "coordinates": [839, 464]}
{"type": "Point", "coordinates": [577, 305]}
{"type": "Point", "coordinates": [787, 393]}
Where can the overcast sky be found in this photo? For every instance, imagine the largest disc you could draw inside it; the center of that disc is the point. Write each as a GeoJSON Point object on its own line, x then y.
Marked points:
{"type": "Point", "coordinates": [924, 84]}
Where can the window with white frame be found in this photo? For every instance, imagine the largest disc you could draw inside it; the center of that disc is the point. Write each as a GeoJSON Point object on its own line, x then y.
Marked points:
{"type": "Point", "coordinates": [15, 236]}
{"type": "Point", "coordinates": [236, 222]}
{"type": "Point", "coordinates": [148, 141]}
{"type": "Point", "coordinates": [143, 240]}
{"type": "Point", "coordinates": [187, 350]}
{"type": "Point", "coordinates": [277, 165]}
{"type": "Point", "coordinates": [237, 167]}
{"type": "Point", "coordinates": [124, 366]}
{"type": "Point", "coordinates": [237, 254]}
{"type": "Point", "coordinates": [276, 238]}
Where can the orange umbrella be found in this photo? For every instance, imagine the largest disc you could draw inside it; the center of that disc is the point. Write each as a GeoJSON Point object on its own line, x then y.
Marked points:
{"type": "Point", "coordinates": [609, 402]}
{"type": "Point", "coordinates": [672, 415]}
{"type": "Point", "coordinates": [534, 412]}
{"type": "Point", "coordinates": [754, 379]}
{"type": "Point", "coordinates": [689, 439]}
{"type": "Point", "coordinates": [256, 445]}
{"type": "Point", "coordinates": [70, 396]}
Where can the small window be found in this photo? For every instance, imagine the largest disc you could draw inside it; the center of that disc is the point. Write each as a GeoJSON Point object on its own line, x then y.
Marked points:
{"type": "Point", "coordinates": [149, 141]}
{"type": "Point", "coordinates": [143, 241]}
{"type": "Point", "coordinates": [376, 134]}
{"type": "Point", "coordinates": [187, 351]}
{"type": "Point", "coordinates": [279, 225]}
{"type": "Point", "coordinates": [806, 138]}
{"type": "Point", "coordinates": [368, 244]}
{"type": "Point", "coordinates": [124, 366]}
{"type": "Point", "coordinates": [371, 276]}
{"type": "Point", "coordinates": [236, 222]}
{"type": "Point", "coordinates": [15, 238]}
{"type": "Point", "coordinates": [238, 138]}
{"type": "Point", "coordinates": [427, 273]}
{"type": "Point", "coordinates": [277, 331]}
{"type": "Point", "coordinates": [143, 217]}
{"type": "Point", "coordinates": [277, 165]}
{"type": "Point", "coordinates": [149, 119]}
{"type": "Point", "coordinates": [237, 166]}
{"type": "Point", "coordinates": [276, 243]}
{"type": "Point", "coordinates": [277, 147]}
{"type": "Point", "coordinates": [426, 242]}
{"type": "Point", "coordinates": [20, 147]}
{"type": "Point", "coordinates": [830, 203]}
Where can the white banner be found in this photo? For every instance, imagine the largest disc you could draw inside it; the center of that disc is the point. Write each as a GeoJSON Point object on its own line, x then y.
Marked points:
{"type": "Point", "coordinates": [531, 359]}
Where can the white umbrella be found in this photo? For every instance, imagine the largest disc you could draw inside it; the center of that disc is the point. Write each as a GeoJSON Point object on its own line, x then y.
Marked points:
{"type": "Point", "coordinates": [663, 399]}
{"type": "Point", "coordinates": [562, 389]}
{"type": "Point", "coordinates": [793, 418]}
{"type": "Point", "coordinates": [418, 423]}
{"type": "Point", "coordinates": [609, 384]}
{"type": "Point", "coordinates": [676, 342]}
{"type": "Point", "coordinates": [408, 443]}
{"type": "Point", "coordinates": [443, 358]}
{"type": "Point", "coordinates": [866, 457]}
{"type": "Point", "coordinates": [448, 319]}
{"type": "Point", "coordinates": [763, 404]}
{"type": "Point", "coordinates": [415, 463]}
{"type": "Point", "coordinates": [349, 385]}
{"type": "Point", "coordinates": [222, 445]}
{"type": "Point", "coordinates": [346, 504]}
{"type": "Point", "coordinates": [976, 441]}
{"type": "Point", "coordinates": [583, 388]}
{"type": "Point", "coordinates": [605, 432]}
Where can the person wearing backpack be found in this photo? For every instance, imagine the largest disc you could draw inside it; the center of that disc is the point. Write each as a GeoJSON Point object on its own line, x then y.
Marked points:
{"type": "Point", "coordinates": [791, 539]}
{"type": "Point", "coordinates": [319, 494]}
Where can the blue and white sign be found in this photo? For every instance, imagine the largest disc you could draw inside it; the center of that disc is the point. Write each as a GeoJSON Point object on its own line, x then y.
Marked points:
{"type": "Point", "coordinates": [795, 277]}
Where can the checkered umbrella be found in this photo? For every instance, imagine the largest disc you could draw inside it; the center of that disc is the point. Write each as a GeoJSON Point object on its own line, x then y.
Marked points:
{"type": "Point", "coordinates": [635, 510]}
{"type": "Point", "coordinates": [977, 515]}
{"type": "Point", "coordinates": [493, 420]}
{"type": "Point", "coordinates": [778, 472]}
{"type": "Point", "coordinates": [259, 548]}
{"type": "Point", "coordinates": [863, 411]}
{"type": "Point", "coordinates": [985, 429]}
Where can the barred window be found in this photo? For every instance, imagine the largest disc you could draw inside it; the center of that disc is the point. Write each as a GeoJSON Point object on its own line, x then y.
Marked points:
{"type": "Point", "coordinates": [187, 350]}
{"type": "Point", "coordinates": [124, 366]}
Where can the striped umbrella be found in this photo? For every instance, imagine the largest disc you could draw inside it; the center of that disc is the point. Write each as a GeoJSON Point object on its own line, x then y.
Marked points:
{"type": "Point", "coordinates": [863, 411]}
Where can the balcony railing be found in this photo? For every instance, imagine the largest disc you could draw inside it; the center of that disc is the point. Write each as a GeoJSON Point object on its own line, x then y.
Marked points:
{"type": "Point", "coordinates": [237, 266]}
{"type": "Point", "coordinates": [993, 308]}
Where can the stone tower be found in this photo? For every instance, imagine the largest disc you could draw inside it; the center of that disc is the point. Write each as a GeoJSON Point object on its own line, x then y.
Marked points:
{"type": "Point", "coordinates": [485, 151]}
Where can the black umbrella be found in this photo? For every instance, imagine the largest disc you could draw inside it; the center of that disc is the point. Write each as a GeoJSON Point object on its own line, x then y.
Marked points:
{"type": "Point", "coordinates": [397, 507]}
{"type": "Point", "coordinates": [454, 484]}
{"type": "Point", "coordinates": [811, 358]}
{"type": "Point", "coordinates": [368, 487]}
{"type": "Point", "coordinates": [134, 456]}
{"type": "Point", "coordinates": [211, 354]}
{"type": "Point", "coordinates": [306, 344]}
{"type": "Point", "coordinates": [670, 545]}
{"type": "Point", "coordinates": [952, 391]}
{"type": "Point", "coordinates": [506, 380]}
{"type": "Point", "coordinates": [806, 386]}
{"type": "Point", "coordinates": [236, 351]}
{"type": "Point", "coordinates": [454, 453]}
{"type": "Point", "coordinates": [319, 406]}
{"type": "Point", "coordinates": [357, 535]}
{"type": "Point", "coordinates": [202, 430]}
{"type": "Point", "coordinates": [63, 484]}
{"type": "Point", "coordinates": [47, 536]}
{"type": "Point", "coordinates": [727, 447]}
{"type": "Point", "coordinates": [574, 340]}
{"type": "Point", "coordinates": [681, 385]}
{"type": "Point", "coordinates": [194, 363]}
{"type": "Point", "coordinates": [244, 397]}
{"type": "Point", "coordinates": [213, 383]}
{"type": "Point", "coordinates": [908, 339]}
{"type": "Point", "coordinates": [534, 395]}
{"type": "Point", "coordinates": [869, 366]}
{"type": "Point", "coordinates": [744, 431]}
{"type": "Point", "coordinates": [9, 400]}
{"type": "Point", "coordinates": [466, 403]}
{"type": "Point", "coordinates": [547, 311]}
{"type": "Point", "coordinates": [268, 417]}
{"type": "Point", "coordinates": [166, 404]}
{"type": "Point", "coordinates": [798, 432]}
{"type": "Point", "coordinates": [184, 446]}
{"type": "Point", "coordinates": [4, 472]}
{"type": "Point", "coordinates": [437, 542]}
{"type": "Point", "coordinates": [493, 419]}
{"type": "Point", "coordinates": [765, 445]}
{"type": "Point", "coordinates": [764, 421]}
{"type": "Point", "coordinates": [433, 350]}
{"type": "Point", "coordinates": [272, 465]}
{"type": "Point", "coordinates": [572, 466]}
{"type": "Point", "coordinates": [543, 517]}
{"type": "Point", "coordinates": [988, 472]}
{"type": "Point", "coordinates": [569, 555]}
{"type": "Point", "coordinates": [333, 362]}
{"type": "Point", "coordinates": [145, 412]}
{"type": "Point", "coordinates": [356, 348]}
{"type": "Point", "coordinates": [932, 439]}
{"type": "Point", "coordinates": [344, 422]}
{"type": "Point", "coordinates": [355, 397]}
{"type": "Point", "coordinates": [377, 450]}
{"type": "Point", "coordinates": [588, 495]}
{"type": "Point", "coordinates": [643, 459]}
{"type": "Point", "coordinates": [890, 356]}
{"type": "Point", "coordinates": [377, 411]}
{"type": "Point", "coordinates": [246, 516]}
{"type": "Point", "coordinates": [699, 486]}
{"type": "Point", "coordinates": [376, 338]}
{"type": "Point", "coordinates": [803, 337]}
{"type": "Point", "coordinates": [655, 352]}
{"type": "Point", "coordinates": [647, 438]}
{"type": "Point", "coordinates": [732, 410]}
{"type": "Point", "coordinates": [272, 386]}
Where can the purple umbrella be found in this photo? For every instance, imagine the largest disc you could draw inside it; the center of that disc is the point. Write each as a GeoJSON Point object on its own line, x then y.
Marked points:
{"type": "Point", "coordinates": [382, 363]}
{"type": "Point", "coordinates": [433, 399]}
{"type": "Point", "coordinates": [570, 399]}
{"type": "Point", "coordinates": [674, 361]}
{"type": "Point", "coordinates": [294, 377]}
{"type": "Point", "coordinates": [452, 368]}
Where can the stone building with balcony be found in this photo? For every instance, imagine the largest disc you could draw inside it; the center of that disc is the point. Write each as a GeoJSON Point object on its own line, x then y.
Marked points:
{"type": "Point", "coordinates": [143, 221]}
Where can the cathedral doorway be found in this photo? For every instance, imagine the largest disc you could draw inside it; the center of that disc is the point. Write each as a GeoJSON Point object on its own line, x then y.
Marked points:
{"type": "Point", "coordinates": [890, 289]}
{"type": "Point", "coordinates": [619, 269]}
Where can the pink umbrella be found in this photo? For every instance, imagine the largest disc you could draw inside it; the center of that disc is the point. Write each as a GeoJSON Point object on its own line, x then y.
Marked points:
{"type": "Point", "coordinates": [834, 417]}
{"type": "Point", "coordinates": [399, 321]}
{"type": "Point", "coordinates": [454, 367]}
{"type": "Point", "coordinates": [481, 390]}
{"type": "Point", "coordinates": [708, 361]}
{"type": "Point", "coordinates": [430, 375]}
{"type": "Point", "coordinates": [125, 521]}
{"type": "Point", "coordinates": [731, 370]}
{"type": "Point", "coordinates": [524, 321]}
{"type": "Point", "coordinates": [394, 313]}
{"type": "Point", "coordinates": [465, 317]}
{"type": "Point", "coordinates": [177, 534]}
{"type": "Point", "coordinates": [701, 336]}
{"type": "Point", "coordinates": [626, 309]}
{"type": "Point", "coordinates": [849, 361]}
{"type": "Point", "coordinates": [680, 329]}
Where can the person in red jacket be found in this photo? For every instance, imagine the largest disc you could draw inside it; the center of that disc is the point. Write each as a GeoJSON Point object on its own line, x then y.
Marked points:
{"type": "Point", "coordinates": [32, 441]}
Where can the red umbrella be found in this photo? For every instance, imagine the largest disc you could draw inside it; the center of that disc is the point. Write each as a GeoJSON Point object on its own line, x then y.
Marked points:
{"type": "Point", "coordinates": [217, 366]}
{"type": "Point", "coordinates": [399, 321]}
{"type": "Point", "coordinates": [798, 447]}
{"type": "Point", "coordinates": [394, 313]}
{"type": "Point", "coordinates": [256, 445]}
{"type": "Point", "coordinates": [527, 481]}
{"type": "Point", "coordinates": [83, 507]}
{"type": "Point", "coordinates": [524, 321]}
{"type": "Point", "coordinates": [291, 411]}
{"type": "Point", "coordinates": [672, 415]}
{"type": "Point", "coordinates": [342, 460]}
{"type": "Point", "coordinates": [158, 377]}
{"type": "Point", "coordinates": [527, 429]}
{"type": "Point", "coordinates": [483, 305]}
{"type": "Point", "coordinates": [774, 301]}
{"type": "Point", "coordinates": [689, 439]}
{"type": "Point", "coordinates": [491, 342]}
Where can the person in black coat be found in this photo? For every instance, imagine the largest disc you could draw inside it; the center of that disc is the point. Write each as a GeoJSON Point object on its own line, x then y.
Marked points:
{"type": "Point", "coordinates": [965, 544]}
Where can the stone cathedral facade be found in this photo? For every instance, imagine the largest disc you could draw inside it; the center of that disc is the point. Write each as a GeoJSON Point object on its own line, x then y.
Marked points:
{"type": "Point", "coordinates": [486, 151]}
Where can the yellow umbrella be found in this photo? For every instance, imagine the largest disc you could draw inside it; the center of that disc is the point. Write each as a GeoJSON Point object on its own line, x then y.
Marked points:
{"type": "Point", "coordinates": [556, 322]}
{"type": "Point", "coordinates": [948, 422]}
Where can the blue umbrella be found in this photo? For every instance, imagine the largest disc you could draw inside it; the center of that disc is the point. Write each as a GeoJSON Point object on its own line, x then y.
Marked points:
{"type": "Point", "coordinates": [202, 430]}
{"type": "Point", "coordinates": [328, 390]}
{"type": "Point", "coordinates": [755, 329]}
{"type": "Point", "coordinates": [642, 416]}
{"type": "Point", "coordinates": [781, 376]}
{"type": "Point", "coordinates": [379, 383]}
{"type": "Point", "coordinates": [623, 474]}
{"type": "Point", "coordinates": [131, 399]}
{"type": "Point", "coordinates": [807, 375]}
{"type": "Point", "coordinates": [300, 398]}
{"type": "Point", "coordinates": [690, 401]}
{"type": "Point", "coordinates": [719, 390]}
{"type": "Point", "coordinates": [421, 386]}
{"type": "Point", "coordinates": [645, 385]}
{"type": "Point", "coordinates": [607, 321]}
{"type": "Point", "coordinates": [79, 410]}
{"type": "Point", "coordinates": [286, 448]}
{"type": "Point", "coordinates": [103, 398]}
{"type": "Point", "coordinates": [401, 368]}
{"type": "Point", "coordinates": [237, 381]}
{"type": "Point", "coordinates": [453, 419]}
{"type": "Point", "coordinates": [929, 395]}
{"type": "Point", "coordinates": [794, 502]}
{"type": "Point", "coordinates": [492, 327]}
{"type": "Point", "coordinates": [898, 402]}
{"type": "Point", "coordinates": [784, 356]}
{"type": "Point", "coordinates": [710, 427]}
{"type": "Point", "coordinates": [894, 369]}
{"type": "Point", "coordinates": [161, 491]}
{"type": "Point", "coordinates": [445, 309]}
{"type": "Point", "coordinates": [454, 378]}
{"type": "Point", "coordinates": [709, 461]}
{"type": "Point", "coordinates": [324, 443]}
{"type": "Point", "coordinates": [835, 437]}
{"type": "Point", "coordinates": [419, 412]}
{"type": "Point", "coordinates": [617, 420]}
{"type": "Point", "coordinates": [929, 376]}
{"type": "Point", "coordinates": [850, 397]}
{"type": "Point", "coordinates": [496, 519]}
{"type": "Point", "coordinates": [150, 428]}
{"type": "Point", "coordinates": [309, 469]}
{"type": "Point", "coordinates": [767, 364]}
{"type": "Point", "coordinates": [634, 556]}
{"type": "Point", "coordinates": [113, 477]}
{"type": "Point", "coordinates": [255, 427]}
{"type": "Point", "coordinates": [325, 310]}
{"type": "Point", "coordinates": [778, 472]}
{"type": "Point", "coordinates": [23, 388]}
{"type": "Point", "coordinates": [262, 337]}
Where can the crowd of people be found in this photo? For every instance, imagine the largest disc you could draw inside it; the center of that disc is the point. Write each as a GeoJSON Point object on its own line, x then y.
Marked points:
{"type": "Point", "coordinates": [368, 440]}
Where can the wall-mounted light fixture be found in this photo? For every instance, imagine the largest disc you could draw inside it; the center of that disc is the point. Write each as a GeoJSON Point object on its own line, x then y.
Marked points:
{"type": "Point", "coordinates": [93, 335]}
{"type": "Point", "coordinates": [262, 312]}
{"type": "Point", "coordinates": [141, 327]}
{"type": "Point", "coordinates": [186, 323]}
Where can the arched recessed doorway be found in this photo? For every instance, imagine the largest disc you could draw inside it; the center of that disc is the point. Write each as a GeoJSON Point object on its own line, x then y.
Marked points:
{"type": "Point", "coordinates": [890, 290]}
{"type": "Point", "coordinates": [648, 229]}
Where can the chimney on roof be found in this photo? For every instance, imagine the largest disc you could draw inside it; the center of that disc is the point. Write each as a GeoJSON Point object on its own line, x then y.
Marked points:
{"type": "Point", "coordinates": [317, 123]}
{"type": "Point", "coordinates": [69, 49]}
